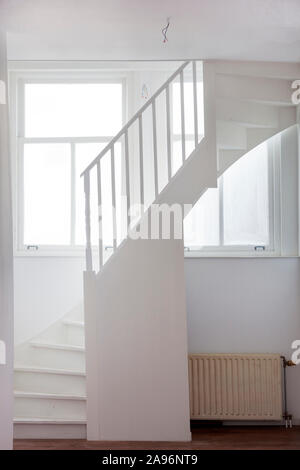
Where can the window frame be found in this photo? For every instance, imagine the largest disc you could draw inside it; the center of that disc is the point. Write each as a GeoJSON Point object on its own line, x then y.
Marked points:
{"type": "Point", "coordinates": [274, 200]}
{"type": "Point", "coordinates": [18, 80]}
{"type": "Point", "coordinates": [273, 249]}
{"type": "Point", "coordinates": [87, 73]}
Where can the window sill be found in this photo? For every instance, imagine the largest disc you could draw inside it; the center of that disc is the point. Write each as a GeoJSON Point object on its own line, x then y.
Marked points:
{"type": "Point", "coordinates": [187, 254]}
{"type": "Point", "coordinates": [49, 254]}
{"type": "Point", "coordinates": [224, 255]}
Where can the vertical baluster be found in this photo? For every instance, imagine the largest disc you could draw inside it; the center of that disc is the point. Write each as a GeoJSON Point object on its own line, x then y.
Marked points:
{"type": "Point", "coordinates": [89, 260]}
{"type": "Point", "coordinates": [141, 160]}
{"type": "Point", "coordinates": [169, 154]}
{"type": "Point", "coordinates": [100, 215]}
{"type": "Point", "coordinates": [155, 148]}
{"type": "Point", "coordinates": [113, 196]}
{"type": "Point", "coordinates": [73, 192]}
{"type": "Point", "coordinates": [195, 102]}
{"type": "Point", "coordinates": [182, 115]}
{"type": "Point", "coordinates": [127, 179]}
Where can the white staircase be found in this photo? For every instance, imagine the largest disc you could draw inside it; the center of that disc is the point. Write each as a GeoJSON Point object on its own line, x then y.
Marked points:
{"type": "Point", "coordinates": [135, 303]}
{"type": "Point", "coordinates": [50, 388]}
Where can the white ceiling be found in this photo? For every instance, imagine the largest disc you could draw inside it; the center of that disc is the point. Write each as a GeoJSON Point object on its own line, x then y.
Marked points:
{"type": "Point", "coordinates": [131, 29]}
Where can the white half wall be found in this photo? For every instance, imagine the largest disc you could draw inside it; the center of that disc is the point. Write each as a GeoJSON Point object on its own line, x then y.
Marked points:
{"type": "Point", "coordinates": [6, 268]}
{"type": "Point", "coordinates": [137, 377]}
{"type": "Point", "coordinates": [245, 306]}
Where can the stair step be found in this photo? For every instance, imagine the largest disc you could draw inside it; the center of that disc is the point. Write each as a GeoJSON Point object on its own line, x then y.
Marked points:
{"type": "Point", "coordinates": [257, 136]}
{"type": "Point", "coordinates": [74, 332]}
{"type": "Point", "coordinates": [231, 136]}
{"type": "Point", "coordinates": [80, 324]}
{"type": "Point", "coordinates": [43, 428]}
{"type": "Point", "coordinates": [53, 381]}
{"type": "Point", "coordinates": [49, 406]}
{"type": "Point", "coordinates": [47, 370]}
{"type": "Point", "coordinates": [63, 347]}
{"type": "Point", "coordinates": [48, 396]}
{"type": "Point", "coordinates": [22, 420]}
{"type": "Point", "coordinates": [249, 114]}
{"type": "Point", "coordinates": [227, 157]}
{"type": "Point", "coordinates": [261, 69]}
{"type": "Point", "coordinates": [51, 355]}
{"type": "Point", "coordinates": [266, 91]}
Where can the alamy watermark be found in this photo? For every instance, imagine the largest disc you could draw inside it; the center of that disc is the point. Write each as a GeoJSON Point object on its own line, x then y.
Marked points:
{"type": "Point", "coordinates": [296, 354]}
{"type": "Point", "coordinates": [156, 222]}
{"type": "Point", "coordinates": [296, 93]}
{"type": "Point", "coordinates": [2, 353]}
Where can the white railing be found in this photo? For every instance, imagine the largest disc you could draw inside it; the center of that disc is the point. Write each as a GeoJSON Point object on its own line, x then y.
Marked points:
{"type": "Point", "coordinates": [123, 135]}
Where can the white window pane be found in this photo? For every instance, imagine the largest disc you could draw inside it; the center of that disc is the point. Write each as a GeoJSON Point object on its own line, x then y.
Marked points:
{"type": "Point", "coordinates": [246, 200]}
{"type": "Point", "coordinates": [85, 153]}
{"type": "Point", "coordinates": [188, 108]}
{"type": "Point", "coordinates": [47, 194]}
{"type": "Point", "coordinates": [73, 109]}
{"type": "Point", "coordinates": [201, 225]}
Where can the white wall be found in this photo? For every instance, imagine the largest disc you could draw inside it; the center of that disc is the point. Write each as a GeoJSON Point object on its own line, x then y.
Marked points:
{"type": "Point", "coordinates": [257, 308]}
{"type": "Point", "coordinates": [6, 267]}
{"type": "Point", "coordinates": [46, 288]}
{"type": "Point", "coordinates": [245, 305]}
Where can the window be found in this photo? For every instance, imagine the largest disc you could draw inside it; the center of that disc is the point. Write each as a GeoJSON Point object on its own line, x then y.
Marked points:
{"type": "Point", "coordinates": [238, 214]}
{"type": "Point", "coordinates": [62, 125]}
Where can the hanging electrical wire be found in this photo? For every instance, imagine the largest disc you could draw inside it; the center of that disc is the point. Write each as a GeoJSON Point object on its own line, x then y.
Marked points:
{"type": "Point", "coordinates": [165, 30]}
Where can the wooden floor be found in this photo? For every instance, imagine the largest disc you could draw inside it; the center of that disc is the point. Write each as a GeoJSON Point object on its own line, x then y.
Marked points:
{"type": "Point", "coordinates": [229, 438]}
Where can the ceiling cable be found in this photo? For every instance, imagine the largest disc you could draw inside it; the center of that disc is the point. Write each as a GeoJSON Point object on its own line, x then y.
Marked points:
{"type": "Point", "coordinates": [165, 30]}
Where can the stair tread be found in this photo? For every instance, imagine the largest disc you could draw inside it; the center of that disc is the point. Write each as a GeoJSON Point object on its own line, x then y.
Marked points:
{"type": "Point", "coordinates": [67, 347]}
{"type": "Point", "coordinates": [20, 420]}
{"type": "Point", "coordinates": [74, 323]}
{"type": "Point", "coordinates": [47, 370]}
{"type": "Point", "coordinates": [53, 396]}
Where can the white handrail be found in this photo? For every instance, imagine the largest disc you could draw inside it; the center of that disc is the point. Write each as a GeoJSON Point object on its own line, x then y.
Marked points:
{"type": "Point", "coordinates": [139, 148]}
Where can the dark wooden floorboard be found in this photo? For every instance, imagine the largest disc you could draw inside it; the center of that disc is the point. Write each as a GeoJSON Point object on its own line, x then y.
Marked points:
{"type": "Point", "coordinates": [230, 438]}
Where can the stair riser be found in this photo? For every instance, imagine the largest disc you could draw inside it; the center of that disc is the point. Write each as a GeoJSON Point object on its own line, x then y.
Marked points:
{"type": "Point", "coordinates": [50, 408]}
{"type": "Point", "coordinates": [50, 383]}
{"type": "Point", "coordinates": [57, 358]}
{"type": "Point", "coordinates": [231, 136]}
{"type": "Point", "coordinates": [247, 113]}
{"type": "Point", "coordinates": [74, 335]}
{"type": "Point", "coordinates": [255, 89]}
{"type": "Point", "coordinates": [258, 136]}
{"type": "Point", "coordinates": [49, 431]}
{"type": "Point", "coordinates": [227, 157]}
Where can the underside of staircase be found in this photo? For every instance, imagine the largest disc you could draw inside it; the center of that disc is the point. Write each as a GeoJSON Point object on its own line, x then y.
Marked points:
{"type": "Point", "coordinates": [135, 313]}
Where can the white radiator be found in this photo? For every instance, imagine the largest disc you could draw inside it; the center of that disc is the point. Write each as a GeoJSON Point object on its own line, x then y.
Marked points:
{"type": "Point", "coordinates": [235, 386]}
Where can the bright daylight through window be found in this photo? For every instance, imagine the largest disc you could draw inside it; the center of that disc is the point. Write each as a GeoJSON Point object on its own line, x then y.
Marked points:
{"type": "Point", "coordinates": [62, 128]}
{"type": "Point", "coordinates": [62, 125]}
{"type": "Point", "coordinates": [237, 213]}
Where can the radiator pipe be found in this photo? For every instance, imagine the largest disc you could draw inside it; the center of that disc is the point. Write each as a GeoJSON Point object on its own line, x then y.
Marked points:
{"type": "Point", "coordinates": [286, 416]}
